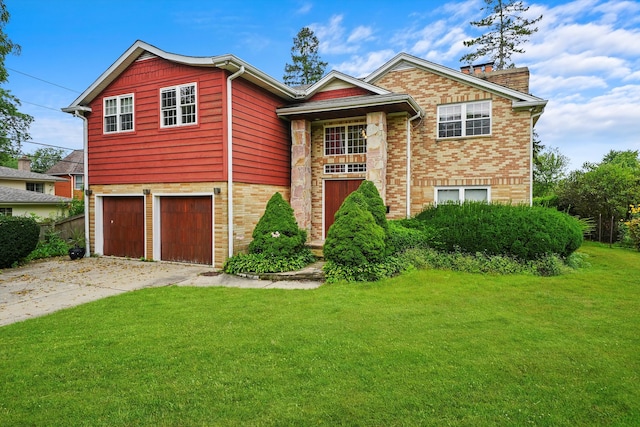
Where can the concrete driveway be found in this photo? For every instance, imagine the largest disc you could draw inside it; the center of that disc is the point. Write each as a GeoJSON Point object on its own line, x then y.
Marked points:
{"type": "Point", "coordinates": [43, 287]}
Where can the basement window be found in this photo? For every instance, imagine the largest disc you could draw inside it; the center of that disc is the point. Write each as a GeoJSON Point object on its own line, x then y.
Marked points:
{"type": "Point", "coordinates": [462, 194]}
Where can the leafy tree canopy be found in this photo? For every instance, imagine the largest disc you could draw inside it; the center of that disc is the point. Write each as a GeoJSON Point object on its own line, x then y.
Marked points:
{"type": "Point", "coordinates": [507, 30]}
{"type": "Point", "coordinates": [549, 168]}
{"type": "Point", "coordinates": [306, 67]}
{"type": "Point", "coordinates": [43, 159]}
{"type": "Point", "coordinates": [14, 125]}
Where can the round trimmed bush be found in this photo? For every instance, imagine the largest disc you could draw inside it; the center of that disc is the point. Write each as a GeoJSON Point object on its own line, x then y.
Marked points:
{"type": "Point", "coordinates": [527, 233]}
{"type": "Point", "coordinates": [354, 239]}
{"type": "Point", "coordinates": [277, 233]}
{"type": "Point", "coordinates": [18, 238]}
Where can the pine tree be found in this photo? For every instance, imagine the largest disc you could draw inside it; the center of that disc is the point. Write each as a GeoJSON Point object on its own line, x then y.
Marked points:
{"type": "Point", "coordinates": [307, 68]}
{"type": "Point", "coordinates": [507, 31]}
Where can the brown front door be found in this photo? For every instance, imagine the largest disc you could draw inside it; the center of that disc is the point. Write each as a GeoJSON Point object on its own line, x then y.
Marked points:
{"type": "Point", "coordinates": [186, 225]}
{"type": "Point", "coordinates": [123, 226]}
{"type": "Point", "coordinates": [334, 194]}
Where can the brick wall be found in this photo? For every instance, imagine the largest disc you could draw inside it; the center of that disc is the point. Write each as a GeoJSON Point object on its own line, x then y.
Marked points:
{"type": "Point", "coordinates": [501, 160]}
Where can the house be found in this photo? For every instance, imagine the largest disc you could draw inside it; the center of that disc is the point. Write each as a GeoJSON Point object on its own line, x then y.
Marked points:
{"type": "Point", "coordinates": [23, 192]}
{"type": "Point", "coordinates": [71, 168]}
{"type": "Point", "coordinates": [184, 152]}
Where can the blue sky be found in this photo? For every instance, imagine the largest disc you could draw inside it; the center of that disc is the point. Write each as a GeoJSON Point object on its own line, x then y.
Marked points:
{"type": "Point", "coordinates": [585, 58]}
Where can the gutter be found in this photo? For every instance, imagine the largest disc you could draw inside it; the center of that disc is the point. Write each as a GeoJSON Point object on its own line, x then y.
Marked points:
{"type": "Point", "coordinates": [417, 116]}
{"type": "Point", "coordinates": [85, 166]}
{"type": "Point", "coordinates": [230, 157]}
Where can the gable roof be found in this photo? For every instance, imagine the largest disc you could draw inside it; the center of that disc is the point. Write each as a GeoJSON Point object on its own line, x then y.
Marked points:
{"type": "Point", "coordinates": [73, 164]}
{"type": "Point", "coordinates": [227, 62]}
{"type": "Point", "coordinates": [404, 60]}
{"type": "Point", "coordinates": [18, 175]}
{"type": "Point", "coordinates": [24, 197]}
{"type": "Point", "coordinates": [337, 76]}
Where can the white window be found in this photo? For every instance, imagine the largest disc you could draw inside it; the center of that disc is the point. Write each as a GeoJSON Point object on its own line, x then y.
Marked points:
{"type": "Point", "coordinates": [457, 120]}
{"type": "Point", "coordinates": [78, 182]}
{"type": "Point", "coordinates": [6, 211]}
{"type": "Point", "coordinates": [346, 139]}
{"type": "Point", "coordinates": [342, 168]}
{"type": "Point", "coordinates": [178, 105]}
{"type": "Point", "coordinates": [462, 194]}
{"type": "Point", "coordinates": [118, 114]}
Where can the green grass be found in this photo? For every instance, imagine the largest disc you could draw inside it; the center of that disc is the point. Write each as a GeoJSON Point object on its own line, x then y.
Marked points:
{"type": "Point", "coordinates": [428, 348]}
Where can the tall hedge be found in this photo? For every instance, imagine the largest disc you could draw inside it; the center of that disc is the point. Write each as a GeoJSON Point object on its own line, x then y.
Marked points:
{"type": "Point", "coordinates": [524, 232]}
{"type": "Point", "coordinates": [354, 238]}
{"type": "Point", "coordinates": [18, 238]}
{"type": "Point", "coordinates": [277, 233]}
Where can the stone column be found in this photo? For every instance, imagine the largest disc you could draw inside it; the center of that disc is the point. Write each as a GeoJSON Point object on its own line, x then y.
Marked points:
{"type": "Point", "coordinates": [301, 173]}
{"type": "Point", "coordinates": [377, 151]}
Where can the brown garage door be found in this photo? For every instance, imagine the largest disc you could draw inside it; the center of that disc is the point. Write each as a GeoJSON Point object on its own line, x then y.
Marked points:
{"type": "Point", "coordinates": [334, 194]}
{"type": "Point", "coordinates": [186, 224]}
{"type": "Point", "coordinates": [123, 226]}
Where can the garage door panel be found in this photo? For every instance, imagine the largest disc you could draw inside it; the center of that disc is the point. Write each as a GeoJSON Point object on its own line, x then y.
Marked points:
{"type": "Point", "coordinates": [186, 229]}
{"type": "Point", "coordinates": [123, 226]}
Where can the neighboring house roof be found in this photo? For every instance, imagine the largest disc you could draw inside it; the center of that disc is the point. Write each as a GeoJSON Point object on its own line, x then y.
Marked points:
{"type": "Point", "coordinates": [24, 197]}
{"type": "Point", "coordinates": [19, 175]}
{"type": "Point", "coordinates": [73, 164]}
{"type": "Point", "coordinates": [404, 60]}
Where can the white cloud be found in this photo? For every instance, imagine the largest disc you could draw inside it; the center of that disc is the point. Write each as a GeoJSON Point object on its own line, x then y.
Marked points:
{"type": "Point", "coordinates": [361, 33]}
{"type": "Point", "coordinates": [361, 66]}
{"type": "Point", "coordinates": [304, 8]}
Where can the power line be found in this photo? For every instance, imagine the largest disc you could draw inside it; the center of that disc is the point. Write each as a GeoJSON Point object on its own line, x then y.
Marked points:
{"type": "Point", "coordinates": [43, 80]}
{"type": "Point", "coordinates": [42, 106]}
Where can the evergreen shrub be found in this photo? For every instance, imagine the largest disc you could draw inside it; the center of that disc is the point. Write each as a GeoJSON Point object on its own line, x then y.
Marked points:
{"type": "Point", "coordinates": [524, 232]}
{"type": "Point", "coordinates": [277, 233]}
{"type": "Point", "coordinates": [18, 238]}
{"type": "Point", "coordinates": [354, 239]}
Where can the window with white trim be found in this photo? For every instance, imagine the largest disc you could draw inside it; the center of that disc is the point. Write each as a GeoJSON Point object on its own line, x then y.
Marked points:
{"type": "Point", "coordinates": [118, 113]}
{"type": "Point", "coordinates": [462, 194]}
{"type": "Point", "coordinates": [345, 139]}
{"type": "Point", "coordinates": [342, 168]}
{"type": "Point", "coordinates": [178, 105]}
{"type": "Point", "coordinates": [6, 211]}
{"type": "Point", "coordinates": [468, 119]}
{"type": "Point", "coordinates": [78, 182]}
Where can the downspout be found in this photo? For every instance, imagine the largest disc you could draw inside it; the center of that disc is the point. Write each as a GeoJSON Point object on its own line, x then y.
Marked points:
{"type": "Point", "coordinates": [230, 158]}
{"type": "Point", "coordinates": [538, 114]}
{"type": "Point", "coordinates": [408, 213]}
{"type": "Point", "coordinates": [85, 167]}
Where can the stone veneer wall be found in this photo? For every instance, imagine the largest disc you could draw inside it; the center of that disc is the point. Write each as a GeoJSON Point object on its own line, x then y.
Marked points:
{"type": "Point", "coordinates": [250, 202]}
{"type": "Point", "coordinates": [501, 161]}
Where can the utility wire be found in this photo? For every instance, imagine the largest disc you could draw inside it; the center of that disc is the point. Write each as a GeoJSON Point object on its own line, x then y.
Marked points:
{"type": "Point", "coordinates": [43, 80]}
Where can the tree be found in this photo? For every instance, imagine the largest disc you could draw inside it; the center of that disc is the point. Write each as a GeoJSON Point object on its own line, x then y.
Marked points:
{"type": "Point", "coordinates": [14, 125]}
{"type": "Point", "coordinates": [43, 159]}
{"type": "Point", "coordinates": [604, 190]}
{"type": "Point", "coordinates": [507, 30]}
{"type": "Point", "coordinates": [549, 169]}
{"type": "Point", "coordinates": [307, 68]}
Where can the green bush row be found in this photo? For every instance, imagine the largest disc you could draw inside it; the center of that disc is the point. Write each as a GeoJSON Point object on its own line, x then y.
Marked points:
{"type": "Point", "coordinates": [18, 238]}
{"type": "Point", "coordinates": [524, 232]}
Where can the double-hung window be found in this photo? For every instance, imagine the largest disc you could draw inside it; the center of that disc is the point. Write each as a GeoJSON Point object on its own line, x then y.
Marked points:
{"type": "Point", "coordinates": [118, 113]}
{"type": "Point", "coordinates": [345, 139]}
{"type": "Point", "coordinates": [78, 182]}
{"type": "Point", "coordinates": [469, 119]}
{"type": "Point", "coordinates": [462, 194]}
{"type": "Point", "coordinates": [178, 105]}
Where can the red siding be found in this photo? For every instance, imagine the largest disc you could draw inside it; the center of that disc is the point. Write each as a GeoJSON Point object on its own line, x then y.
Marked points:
{"type": "Point", "coordinates": [261, 140]}
{"type": "Point", "coordinates": [339, 93]}
{"type": "Point", "coordinates": [151, 154]}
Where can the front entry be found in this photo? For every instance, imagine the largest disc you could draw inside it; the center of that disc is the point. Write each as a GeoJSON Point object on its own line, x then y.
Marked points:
{"type": "Point", "coordinates": [334, 194]}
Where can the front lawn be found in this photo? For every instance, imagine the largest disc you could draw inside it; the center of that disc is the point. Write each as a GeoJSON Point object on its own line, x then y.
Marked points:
{"type": "Point", "coordinates": [427, 348]}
